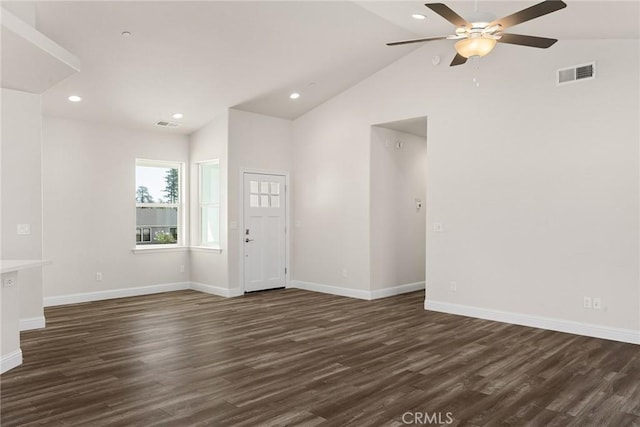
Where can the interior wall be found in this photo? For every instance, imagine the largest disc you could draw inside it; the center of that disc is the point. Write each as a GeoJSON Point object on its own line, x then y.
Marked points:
{"type": "Point", "coordinates": [89, 207]}
{"type": "Point", "coordinates": [398, 227]}
{"type": "Point", "coordinates": [22, 191]}
{"type": "Point", "coordinates": [536, 185]}
{"type": "Point", "coordinates": [331, 235]}
{"type": "Point", "coordinates": [210, 142]}
{"type": "Point", "coordinates": [256, 142]}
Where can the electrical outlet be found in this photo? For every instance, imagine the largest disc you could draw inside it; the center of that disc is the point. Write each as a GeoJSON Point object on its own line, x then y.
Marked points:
{"type": "Point", "coordinates": [437, 227]}
{"type": "Point", "coordinates": [453, 286]}
{"type": "Point", "coordinates": [8, 282]}
{"type": "Point", "coordinates": [182, 269]}
{"type": "Point", "coordinates": [586, 303]}
{"type": "Point", "coordinates": [24, 229]}
{"type": "Point", "coordinates": [98, 277]}
{"type": "Point", "coordinates": [597, 304]}
{"type": "Point", "coordinates": [344, 273]}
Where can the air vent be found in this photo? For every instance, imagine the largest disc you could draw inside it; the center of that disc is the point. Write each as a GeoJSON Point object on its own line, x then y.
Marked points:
{"type": "Point", "coordinates": [167, 124]}
{"type": "Point", "coordinates": [577, 73]}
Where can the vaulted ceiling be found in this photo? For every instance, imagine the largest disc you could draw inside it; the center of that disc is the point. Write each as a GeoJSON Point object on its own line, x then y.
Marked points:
{"type": "Point", "coordinates": [199, 58]}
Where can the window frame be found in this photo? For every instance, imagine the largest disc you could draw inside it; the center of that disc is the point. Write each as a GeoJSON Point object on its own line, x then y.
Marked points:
{"type": "Point", "coordinates": [201, 205]}
{"type": "Point", "coordinates": [181, 241]}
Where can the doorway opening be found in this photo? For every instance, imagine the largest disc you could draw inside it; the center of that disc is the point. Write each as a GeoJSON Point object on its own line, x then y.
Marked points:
{"type": "Point", "coordinates": [398, 204]}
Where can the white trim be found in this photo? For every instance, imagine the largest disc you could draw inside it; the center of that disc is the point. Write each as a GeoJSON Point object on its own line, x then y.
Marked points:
{"type": "Point", "coordinates": [11, 360]}
{"type": "Point", "coordinates": [206, 249]}
{"type": "Point", "coordinates": [560, 325]}
{"type": "Point", "coordinates": [287, 221]}
{"type": "Point", "coordinates": [329, 289]}
{"type": "Point", "coordinates": [159, 249]}
{"type": "Point", "coordinates": [356, 293]}
{"type": "Point", "coordinates": [31, 323]}
{"type": "Point", "coordinates": [397, 290]}
{"type": "Point", "coordinates": [215, 290]}
{"type": "Point", "coordinates": [114, 293]}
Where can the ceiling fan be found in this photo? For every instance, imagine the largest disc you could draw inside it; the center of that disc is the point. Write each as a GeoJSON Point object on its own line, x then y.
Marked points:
{"type": "Point", "coordinates": [479, 37]}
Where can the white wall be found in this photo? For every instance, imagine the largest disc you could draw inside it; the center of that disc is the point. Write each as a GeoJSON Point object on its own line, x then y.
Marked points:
{"type": "Point", "coordinates": [22, 192]}
{"type": "Point", "coordinates": [331, 195]}
{"type": "Point", "coordinates": [398, 227]}
{"type": "Point", "coordinates": [537, 185]}
{"type": "Point", "coordinates": [210, 142]}
{"type": "Point", "coordinates": [89, 207]}
{"type": "Point", "coordinates": [256, 142]}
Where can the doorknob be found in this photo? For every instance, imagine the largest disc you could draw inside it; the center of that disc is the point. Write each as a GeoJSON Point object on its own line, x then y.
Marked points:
{"type": "Point", "coordinates": [247, 240]}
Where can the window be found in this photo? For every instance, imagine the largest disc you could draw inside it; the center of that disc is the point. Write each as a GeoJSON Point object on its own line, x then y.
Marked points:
{"type": "Point", "coordinates": [209, 175]}
{"type": "Point", "coordinates": [159, 203]}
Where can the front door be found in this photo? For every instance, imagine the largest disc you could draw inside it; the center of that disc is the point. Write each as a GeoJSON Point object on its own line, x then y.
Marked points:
{"type": "Point", "coordinates": [264, 231]}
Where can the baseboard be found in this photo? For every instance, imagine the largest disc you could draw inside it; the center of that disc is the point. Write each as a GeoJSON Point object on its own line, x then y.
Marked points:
{"type": "Point", "coordinates": [215, 290]}
{"type": "Point", "coordinates": [328, 289]}
{"type": "Point", "coordinates": [397, 290]}
{"type": "Point", "coordinates": [356, 293]}
{"type": "Point", "coordinates": [114, 293]}
{"type": "Point", "coordinates": [597, 331]}
{"type": "Point", "coordinates": [10, 361]}
{"type": "Point", "coordinates": [30, 323]}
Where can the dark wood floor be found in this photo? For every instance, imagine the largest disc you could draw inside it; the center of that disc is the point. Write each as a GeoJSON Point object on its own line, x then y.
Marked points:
{"type": "Point", "coordinates": [292, 357]}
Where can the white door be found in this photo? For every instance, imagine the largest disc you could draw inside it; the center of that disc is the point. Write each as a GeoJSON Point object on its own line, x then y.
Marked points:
{"type": "Point", "coordinates": [264, 231]}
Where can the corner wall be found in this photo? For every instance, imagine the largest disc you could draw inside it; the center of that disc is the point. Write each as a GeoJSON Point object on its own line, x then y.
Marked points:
{"type": "Point", "coordinates": [89, 210]}
{"type": "Point", "coordinates": [240, 140]}
{"type": "Point", "coordinates": [22, 193]}
{"type": "Point", "coordinates": [210, 268]}
{"type": "Point", "coordinates": [537, 185]}
{"type": "Point", "coordinates": [256, 142]}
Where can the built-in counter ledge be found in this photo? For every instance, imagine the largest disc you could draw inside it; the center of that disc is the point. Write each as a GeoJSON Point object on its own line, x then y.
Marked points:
{"type": "Point", "coordinates": [11, 265]}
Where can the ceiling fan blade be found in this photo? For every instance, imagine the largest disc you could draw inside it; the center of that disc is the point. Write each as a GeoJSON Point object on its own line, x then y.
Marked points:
{"type": "Point", "coordinates": [530, 13]}
{"type": "Point", "coordinates": [532, 41]}
{"type": "Point", "coordinates": [448, 14]}
{"type": "Point", "coordinates": [417, 40]}
{"type": "Point", "coordinates": [458, 60]}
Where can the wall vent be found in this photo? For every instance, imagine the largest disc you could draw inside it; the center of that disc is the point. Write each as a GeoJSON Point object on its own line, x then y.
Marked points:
{"type": "Point", "coordinates": [167, 124]}
{"type": "Point", "coordinates": [577, 73]}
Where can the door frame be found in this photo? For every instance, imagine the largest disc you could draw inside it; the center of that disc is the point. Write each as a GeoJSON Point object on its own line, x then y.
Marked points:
{"type": "Point", "coordinates": [287, 220]}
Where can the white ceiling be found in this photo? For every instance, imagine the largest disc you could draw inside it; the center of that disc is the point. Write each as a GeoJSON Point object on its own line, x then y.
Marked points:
{"type": "Point", "coordinates": [199, 58]}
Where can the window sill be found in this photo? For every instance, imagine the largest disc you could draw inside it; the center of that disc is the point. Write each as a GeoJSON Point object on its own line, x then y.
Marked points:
{"type": "Point", "coordinates": [159, 248]}
{"type": "Point", "coordinates": [206, 249]}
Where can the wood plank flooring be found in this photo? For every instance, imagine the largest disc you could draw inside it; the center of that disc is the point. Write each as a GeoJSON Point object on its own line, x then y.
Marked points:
{"type": "Point", "coordinates": [291, 357]}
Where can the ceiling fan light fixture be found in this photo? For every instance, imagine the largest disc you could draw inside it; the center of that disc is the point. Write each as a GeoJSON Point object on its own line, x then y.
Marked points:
{"type": "Point", "coordinates": [475, 46]}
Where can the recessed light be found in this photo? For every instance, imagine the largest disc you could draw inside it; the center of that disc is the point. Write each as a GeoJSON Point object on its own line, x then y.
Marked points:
{"type": "Point", "coordinates": [126, 34]}
{"type": "Point", "coordinates": [74, 98]}
{"type": "Point", "coordinates": [418, 16]}
{"type": "Point", "coordinates": [294, 95]}
{"type": "Point", "coordinates": [177, 116]}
